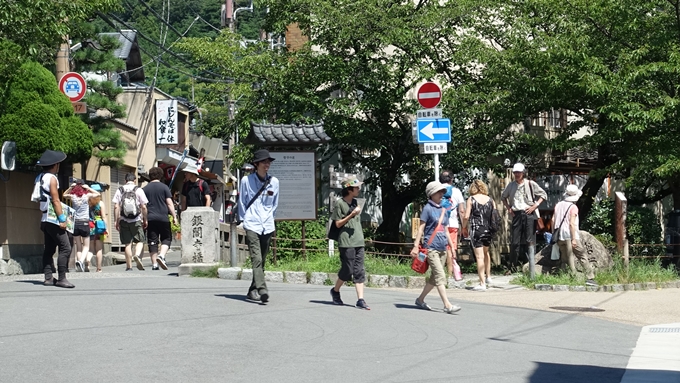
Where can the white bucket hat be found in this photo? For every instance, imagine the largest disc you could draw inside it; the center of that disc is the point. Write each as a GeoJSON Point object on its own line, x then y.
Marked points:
{"type": "Point", "coordinates": [434, 187]}
{"type": "Point", "coordinates": [572, 194]}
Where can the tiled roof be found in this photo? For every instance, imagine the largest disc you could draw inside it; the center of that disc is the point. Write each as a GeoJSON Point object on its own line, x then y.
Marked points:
{"type": "Point", "coordinates": [282, 135]}
{"type": "Point", "coordinates": [125, 38]}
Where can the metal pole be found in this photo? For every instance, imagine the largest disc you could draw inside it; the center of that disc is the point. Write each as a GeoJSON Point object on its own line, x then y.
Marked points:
{"type": "Point", "coordinates": [436, 166]}
{"type": "Point", "coordinates": [304, 241]}
{"type": "Point", "coordinates": [233, 226]}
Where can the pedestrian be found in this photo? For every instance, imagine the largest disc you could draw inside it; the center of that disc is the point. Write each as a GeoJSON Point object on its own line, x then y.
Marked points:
{"type": "Point", "coordinates": [567, 232]}
{"type": "Point", "coordinates": [80, 193]}
{"type": "Point", "coordinates": [432, 223]}
{"type": "Point", "coordinates": [477, 224]}
{"type": "Point", "coordinates": [522, 197]}
{"type": "Point", "coordinates": [258, 200]}
{"type": "Point", "coordinates": [130, 217]}
{"type": "Point", "coordinates": [346, 217]}
{"type": "Point", "coordinates": [195, 191]}
{"type": "Point", "coordinates": [454, 202]}
{"type": "Point", "coordinates": [55, 234]}
{"type": "Point", "coordinates": [98, 229]}
{"type": "Point", "coordinates": [159, 209]}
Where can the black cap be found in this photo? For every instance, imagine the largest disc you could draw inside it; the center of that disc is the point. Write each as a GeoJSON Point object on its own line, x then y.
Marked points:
{"type": "Point", "coordinates": [51, 157]}
{"type": "Point", "coordinates": [261, 155]}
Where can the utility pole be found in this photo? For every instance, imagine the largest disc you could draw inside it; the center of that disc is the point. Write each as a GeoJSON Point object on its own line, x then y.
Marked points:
{"type": "Point", "coordinates": [63, 56]}
{"type": "Point", "coordinates": [233, 225]}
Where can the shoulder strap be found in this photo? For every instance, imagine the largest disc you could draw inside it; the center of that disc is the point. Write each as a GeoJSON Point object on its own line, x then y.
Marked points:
{"type": "Point", "coordinates": [434, 233]}
{"type": "Point", "coordinates": [563, 218]}
{"type": "Point", "coordinates": [264, 186]}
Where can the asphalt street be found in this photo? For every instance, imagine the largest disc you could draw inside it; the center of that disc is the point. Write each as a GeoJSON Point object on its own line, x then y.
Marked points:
{"type": "Point", "coordinates": [156, 327]}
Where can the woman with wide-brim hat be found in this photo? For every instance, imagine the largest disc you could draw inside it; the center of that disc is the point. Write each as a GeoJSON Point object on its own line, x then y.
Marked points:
{"type": "Point", "coordinates": [55, 233]}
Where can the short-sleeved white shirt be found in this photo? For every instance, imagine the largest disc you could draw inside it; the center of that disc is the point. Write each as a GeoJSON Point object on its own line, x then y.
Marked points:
{"type": "Point", "coordinates": [561, 209]}
{"type": "Point", "coordinates": [456, 199]}
{"type": "Point", "coordinates": [141, 199]}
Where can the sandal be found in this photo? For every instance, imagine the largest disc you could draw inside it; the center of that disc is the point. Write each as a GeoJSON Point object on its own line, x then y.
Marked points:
{"type": "Point", "coordinates": [99, 270]}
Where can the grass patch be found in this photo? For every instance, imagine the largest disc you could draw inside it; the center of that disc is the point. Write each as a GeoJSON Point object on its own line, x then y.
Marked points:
{"type": "Point", "coordinates": [210, 273]}
{"type": "Point", "coordinates": [640, 270]}
{"type": "Point", "coordinates": [321, 262]}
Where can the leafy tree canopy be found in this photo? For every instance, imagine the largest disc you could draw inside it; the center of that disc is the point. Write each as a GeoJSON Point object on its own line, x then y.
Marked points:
{"type": "Point", "coordinates": [37, 116]}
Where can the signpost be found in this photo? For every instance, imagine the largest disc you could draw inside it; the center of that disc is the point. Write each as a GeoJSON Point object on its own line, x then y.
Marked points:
{"type": "Point", "coordinates": [429, 95]}
{"type": "Point", "coordinates": [73, 85]}
{"type": "Point", "coordinates": [430, 129]}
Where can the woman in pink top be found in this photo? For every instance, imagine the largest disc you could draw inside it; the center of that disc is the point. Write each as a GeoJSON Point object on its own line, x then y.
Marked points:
{"type": "Point", "coordinates": [565, 222]}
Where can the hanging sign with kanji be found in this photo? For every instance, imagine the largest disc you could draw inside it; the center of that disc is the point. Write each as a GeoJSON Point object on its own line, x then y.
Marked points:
{"type": "Point", "coordinates": [166, 122]}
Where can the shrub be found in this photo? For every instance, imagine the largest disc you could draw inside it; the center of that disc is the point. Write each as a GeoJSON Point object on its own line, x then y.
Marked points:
{"type": "Point", "coordinates": [642, 224]}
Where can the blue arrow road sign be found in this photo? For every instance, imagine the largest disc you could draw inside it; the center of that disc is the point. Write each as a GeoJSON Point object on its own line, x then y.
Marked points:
{"type": "Point", "coordinates": [434, 130]}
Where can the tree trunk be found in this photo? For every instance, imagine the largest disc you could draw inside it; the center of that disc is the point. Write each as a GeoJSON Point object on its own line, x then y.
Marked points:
{"type": "Point", "coordinates": [594, 183]}
{"type": "Point", "coordinates": [675, 187]}
{"type": "Point", "coordinates": [393, 205]}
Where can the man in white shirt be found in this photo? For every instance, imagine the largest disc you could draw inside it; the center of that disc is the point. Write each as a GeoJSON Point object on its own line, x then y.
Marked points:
{"type": "Point", "coordinates": [454, 197]}
{"type": "Point", "coordinates": [131, 219]}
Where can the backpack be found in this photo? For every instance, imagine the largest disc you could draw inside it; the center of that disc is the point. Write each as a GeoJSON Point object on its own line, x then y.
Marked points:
{"type": "Point", "coordinates": [447, 201]}
{"type": "Point", "coordinates": [129, 205]}
{"type": "Point", "coordinates": [494, 222]}
{"type": "Point", "coordinates": [200, 187]}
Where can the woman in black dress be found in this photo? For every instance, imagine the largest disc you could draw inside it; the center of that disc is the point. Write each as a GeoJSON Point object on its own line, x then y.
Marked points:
{"type": "Point", "coordinates": [478, 214]}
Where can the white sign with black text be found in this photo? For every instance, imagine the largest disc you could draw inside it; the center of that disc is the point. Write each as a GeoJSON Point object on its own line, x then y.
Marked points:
{"type": "Point", "coordinates": [434, 148]}
{"type": "Point", "coordinates": [166, 122]}
{"type": "Point", "coordinates": [296, 172]}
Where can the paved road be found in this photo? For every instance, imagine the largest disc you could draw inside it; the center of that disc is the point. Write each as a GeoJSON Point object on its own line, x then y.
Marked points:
{"type": "Point", "coordinates": [151, 327]}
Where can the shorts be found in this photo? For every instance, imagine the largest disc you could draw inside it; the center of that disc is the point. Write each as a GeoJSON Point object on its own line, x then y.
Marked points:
{"type": "Point", "coordinates": [453, 233]}
{"type": "Point", "coordinates": [158, 231]}
{"type": "Point", "coordinates": [481, 239]}
{"type": "Point", "coordinates": [436, 259]}
{"type": "Point", "coordinates": [352, 264]}
{"type": "Point", "coordinates": [131, 232]}
{"type": "Point", "coordinates": [81, 229]}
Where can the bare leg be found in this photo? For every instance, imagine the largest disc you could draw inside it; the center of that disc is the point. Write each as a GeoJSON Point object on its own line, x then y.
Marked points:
{"type": "Point", "coordinates": [78, 241]}
{"type": "Point", "coordinates": [164, 250]}
{"type": "Point", "coordinates": [481, 267]}
{"type": "Point", "coordinates": [98, 248]}
{"type": "Point", "coordinates": [449, 261]}
{"type": "Point", "coordinates": [426, 290]}
{"type": "Point", "coordinates": [85, 250]}
{"type": "Point", "coordinates": [487, 261]}
{"type": "Point", "coordinates": [153, 256]}
{"type": "Point", "coordinates": [441, 289]}
{"type": "Point", "coordinates": [338, 284]}
{"type": "Point", "coordinates": [128, 255]}
{"type": "Point", "coordinates": [360, 290]}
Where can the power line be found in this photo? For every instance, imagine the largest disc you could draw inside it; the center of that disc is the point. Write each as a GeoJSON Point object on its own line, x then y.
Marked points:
{"type": "Point", "coordinates": [113, 25]}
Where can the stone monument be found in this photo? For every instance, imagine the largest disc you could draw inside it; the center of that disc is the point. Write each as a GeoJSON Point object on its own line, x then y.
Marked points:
{"type": "Point", "coordinates": [598, 256]}
{"type": "Point", "coordinates": [200, 239]}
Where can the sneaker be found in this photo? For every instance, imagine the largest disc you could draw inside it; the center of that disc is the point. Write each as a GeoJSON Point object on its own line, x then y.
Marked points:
{"type": "Point", "coordinates": [264, 298]}
{"type": "Point", "coordinates": [591, 282]}
{"type": "Point", "coordinates": [138, 262]}
{"type": "Point", "coordinates": [479, 288]}
{"type": "Point", "coordinates": [128, 269]}
{"type": "Point", "coordinates": [336, 297]}
{"type": "Point", "coordinates": [423, 305]}
{"type": "Point", "coordinates": [253, 296]}
{"type": "Point", "coordinates": [155, 268]}
{"type": "Point", "coordinates": [361, 304]}
{"type": "Point", "coordinates": [161, 263]}
{"type": "Point", "coordinates": [489, 281]}
{"type": "Point", "coordinates": [452, 309]}
{"type": "Point", "coordinates": [79, 266]}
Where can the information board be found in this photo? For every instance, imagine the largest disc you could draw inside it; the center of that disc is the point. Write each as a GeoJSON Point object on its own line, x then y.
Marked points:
{"type": "Point", "coordinates": [296, 172]}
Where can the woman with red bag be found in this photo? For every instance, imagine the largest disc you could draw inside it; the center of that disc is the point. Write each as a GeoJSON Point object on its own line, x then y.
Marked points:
{"type": "Point", "coordinates": [433, 228]}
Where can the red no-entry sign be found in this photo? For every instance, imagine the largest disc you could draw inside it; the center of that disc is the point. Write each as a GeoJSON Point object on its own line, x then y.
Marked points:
{"type": "Point", "coordinates": [429, 95]}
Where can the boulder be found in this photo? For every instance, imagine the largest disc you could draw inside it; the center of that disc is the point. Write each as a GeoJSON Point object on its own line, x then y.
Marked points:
{"type": "Point", "coordinates": [598, 255]}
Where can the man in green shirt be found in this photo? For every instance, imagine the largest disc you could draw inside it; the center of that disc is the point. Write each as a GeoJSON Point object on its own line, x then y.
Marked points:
{"type": "Point", "coordinates": [350, 241]}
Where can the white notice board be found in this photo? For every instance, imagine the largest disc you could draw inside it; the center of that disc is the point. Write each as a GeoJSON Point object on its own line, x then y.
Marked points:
{"type": "Point", "coordinates": [296, 172]}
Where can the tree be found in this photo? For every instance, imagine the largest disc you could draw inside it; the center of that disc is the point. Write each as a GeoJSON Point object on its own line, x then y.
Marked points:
{"type": "Point", "coordinates": [612, 65]}
{"type": "Point", "coordinates": [368, 56]}
{"type": "Point", "coordinates": [96, 56]}
{"type": "Point", "coordinates": [37, 116]}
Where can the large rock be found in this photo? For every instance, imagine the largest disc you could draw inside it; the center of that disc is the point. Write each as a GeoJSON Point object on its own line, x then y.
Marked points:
{"type": "Point", "coordinates": [598, 256]}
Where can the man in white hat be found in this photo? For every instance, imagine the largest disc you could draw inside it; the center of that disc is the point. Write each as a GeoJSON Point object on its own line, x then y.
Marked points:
{"type": "Point", "coordinates": [522, 197]}
{"type": "Point", "coordinates": [195, 191]}
{"type": "Point", "coordinates": [567, 233]}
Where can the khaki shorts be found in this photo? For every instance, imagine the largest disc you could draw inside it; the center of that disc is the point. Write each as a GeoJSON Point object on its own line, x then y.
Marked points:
{"type": "Point", "coordinates": [131, 232]}
{"type": "Point", "coordinates": [436, 259]}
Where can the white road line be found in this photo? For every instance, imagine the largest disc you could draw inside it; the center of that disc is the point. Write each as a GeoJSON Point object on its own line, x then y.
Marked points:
{"type": "Point", "coordinates": [656, 357]}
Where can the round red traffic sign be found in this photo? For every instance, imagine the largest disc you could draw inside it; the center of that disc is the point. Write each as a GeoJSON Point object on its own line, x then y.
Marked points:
{"type": "Point", "coordinates": [73, 85]}
{"type": "Point", "coordinates": [429, 95]}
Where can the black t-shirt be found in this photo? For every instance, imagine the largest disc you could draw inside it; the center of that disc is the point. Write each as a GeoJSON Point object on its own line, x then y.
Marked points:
{"type": "Point", "coordinates": [157, 193]}
{"type": "Point", "coordinates": [193, 193]}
